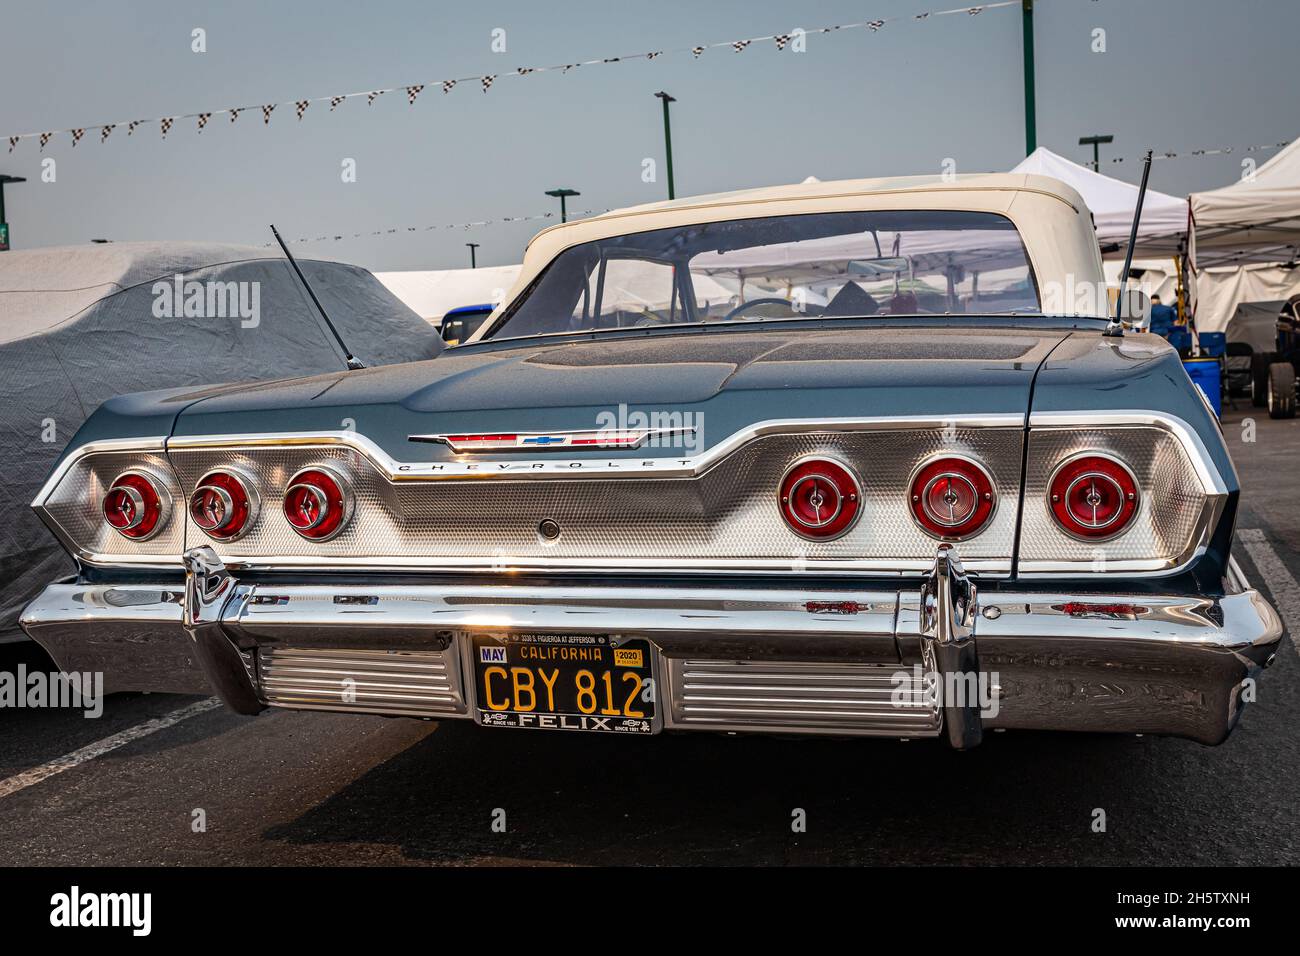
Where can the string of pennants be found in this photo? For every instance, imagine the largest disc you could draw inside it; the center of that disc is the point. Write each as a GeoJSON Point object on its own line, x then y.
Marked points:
{"type": "Point", "coordinates": [406, 230]}
{"type": "Point", "coordinates": [1218, 151]}
{"type": "Point", "coordinates": [483, 82]}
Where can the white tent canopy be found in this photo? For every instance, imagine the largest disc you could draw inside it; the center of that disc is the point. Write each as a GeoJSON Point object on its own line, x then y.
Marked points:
{"type": "Point", "coordinates": [1220, 291]}
{"type": "Point", "coordinates": [1256, 219]}
{"type": "Point", "coordinates": [1112, 201]}
{"type": "Point", "coordinates": [432, 294]}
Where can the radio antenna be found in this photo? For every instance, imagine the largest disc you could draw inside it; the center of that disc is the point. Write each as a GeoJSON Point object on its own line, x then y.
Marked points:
{"type": "Point", "coordinates": [352, 360]}
{"type": "Point", "coordinates": [1116, 325]}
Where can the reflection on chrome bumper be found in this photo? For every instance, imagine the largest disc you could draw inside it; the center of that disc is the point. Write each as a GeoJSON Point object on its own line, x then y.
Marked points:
{"type": "Point", "coordinates": [732, 659]}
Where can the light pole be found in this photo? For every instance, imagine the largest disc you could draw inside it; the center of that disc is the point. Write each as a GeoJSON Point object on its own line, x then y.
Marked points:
{"type": "Point", "coordinates": [668, 140]}
{"type": "Point", "coordinates": [1027, 35]}
{"type": "Point", "coordinates": [1094, 142]}
{"type": "Point", "coordinates": [4, 223]}
{"type": "Point", "coordinates": [562, 194]}
{"type": "Point", "coordinates": [472, 246]}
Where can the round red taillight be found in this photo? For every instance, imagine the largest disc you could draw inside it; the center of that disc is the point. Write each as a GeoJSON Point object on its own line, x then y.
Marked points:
{"type": "Point", "coordinates": [136, 505]}
{"type": "Point", "coordinates": [1092, 497]}
{"type": "Point", "coordinates": [222, 505]}
{"type": "Point", "coordinates": [317, 504]}
{"type": "Point", "coordinates": [820, 498]}
{"type": "Point", "coordinates": [952, 498]}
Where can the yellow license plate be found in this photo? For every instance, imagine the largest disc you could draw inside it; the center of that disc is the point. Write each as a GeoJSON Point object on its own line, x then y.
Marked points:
{"type": "Point", "coordinates": [564, 682]}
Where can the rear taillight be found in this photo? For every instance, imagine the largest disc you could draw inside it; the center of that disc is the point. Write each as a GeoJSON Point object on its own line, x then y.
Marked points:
{"type": "Point", "coordinates": [820, 498]}
{"type": "Point", "coordinates": [952, 498]}
{"type": "Point", "coordinates": [136, 505]}
{"type": "Point", "coordinates": [223, 506]}
{"type": "Point", "coordinates": [1093, 497]}
{"type": "Point", "coordinates": [317, 504]}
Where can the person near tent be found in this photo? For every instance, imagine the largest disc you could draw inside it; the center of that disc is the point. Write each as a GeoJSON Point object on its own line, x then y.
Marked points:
{"type": "Point", "coordinates": [1163, 317]}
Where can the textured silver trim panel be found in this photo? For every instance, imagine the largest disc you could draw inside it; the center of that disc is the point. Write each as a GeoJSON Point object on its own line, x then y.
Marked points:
{"type": "Point", "coordinates": [421, 683]}
{"type": "Point", "coordinates": [795, 696]}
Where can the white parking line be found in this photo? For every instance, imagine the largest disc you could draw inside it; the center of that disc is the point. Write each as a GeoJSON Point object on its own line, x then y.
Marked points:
{"type": "Point", "coordinates": [100, 747]}
{"type": "Point", "coordinates": [1285, 590]}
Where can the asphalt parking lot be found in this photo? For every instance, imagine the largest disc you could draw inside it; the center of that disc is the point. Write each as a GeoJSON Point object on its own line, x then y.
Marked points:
{"type": "Point", "coordinates": [294, 788]}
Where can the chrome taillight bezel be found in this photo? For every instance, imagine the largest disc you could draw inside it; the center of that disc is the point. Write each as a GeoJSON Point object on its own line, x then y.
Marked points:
{"type": "Point", "coordinates": [247, 487]}
{"type": "Point", "coordinates": [344, 509]}
{"type": "Point", "coordinates": [849, 504]}
{"type": "Point", "coordinates": [984, 490]}
{"type": "Point", "coordinates": [157, 486]}
{"type": "Point", "coordinates": [1123, 519]}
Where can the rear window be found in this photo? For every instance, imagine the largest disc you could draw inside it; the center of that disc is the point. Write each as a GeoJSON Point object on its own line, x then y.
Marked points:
{"type": "Point", "coordinates": [843, 264]}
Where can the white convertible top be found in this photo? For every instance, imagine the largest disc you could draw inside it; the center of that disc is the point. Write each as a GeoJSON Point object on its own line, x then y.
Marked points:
{"type": "Point", "coordinates": [1053, 221]}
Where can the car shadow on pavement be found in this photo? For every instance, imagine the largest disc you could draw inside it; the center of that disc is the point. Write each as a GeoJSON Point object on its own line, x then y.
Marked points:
{"type": "Point", "coordinates": [1021, 798]}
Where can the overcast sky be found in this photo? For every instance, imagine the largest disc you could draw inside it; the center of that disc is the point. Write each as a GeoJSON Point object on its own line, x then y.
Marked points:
{"type": "Point", "coordinates": [1176, 75]}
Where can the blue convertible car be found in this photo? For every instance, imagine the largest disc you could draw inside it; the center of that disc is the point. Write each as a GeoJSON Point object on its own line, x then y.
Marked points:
{"type": "Point", "coordinates": [855, 458]}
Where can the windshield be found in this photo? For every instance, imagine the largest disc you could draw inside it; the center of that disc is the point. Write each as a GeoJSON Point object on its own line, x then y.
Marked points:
{"type": "Point", "coordinates": [842, 264]}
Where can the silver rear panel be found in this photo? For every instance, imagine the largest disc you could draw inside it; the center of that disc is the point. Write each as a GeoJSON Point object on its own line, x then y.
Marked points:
{"type": "Point", "coordinates": [411, 683]}
{"type": "Point", "coordinates": [798, 696]}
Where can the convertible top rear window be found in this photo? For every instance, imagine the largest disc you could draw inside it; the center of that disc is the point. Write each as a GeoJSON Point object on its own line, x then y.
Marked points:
{"type": "Point", "coordinates": [842, 264]}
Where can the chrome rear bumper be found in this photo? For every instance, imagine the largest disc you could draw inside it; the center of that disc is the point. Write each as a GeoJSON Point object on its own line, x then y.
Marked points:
{"type": "Point", "coordinates": [813, 660]}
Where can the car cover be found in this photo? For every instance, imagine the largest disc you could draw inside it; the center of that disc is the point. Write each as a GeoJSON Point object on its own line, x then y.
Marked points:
{"type": "Point", "coordinates": [80, 324]}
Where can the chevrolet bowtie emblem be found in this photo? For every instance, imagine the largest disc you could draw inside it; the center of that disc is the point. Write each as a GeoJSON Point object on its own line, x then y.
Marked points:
{"type": "Point", "coordinates": [513, 441]}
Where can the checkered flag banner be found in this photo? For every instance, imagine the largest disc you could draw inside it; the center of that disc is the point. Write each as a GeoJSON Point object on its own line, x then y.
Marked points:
{"type": "Point", "coordinates": [45, 138]}
{"type": "Point", "coordinates": [203, 120]}
{"type": "Point", "coordinates": [234, 112]}
{"type": "Point", "coordinates": [487, 81]}
{"type": "Point", "coordinates": [975, 11]}
{"type": "Point", "coordinates": [335, 101]}
{"type": "Point", "coordinates": [130, 127]}
{"type": "Point", "coordinates": [448, 86]}
{"type": "Point", "coordinates": [76, 136]}
{"type": "Point", "coordinates": [696, 51]}
{"type": "Point", "coordinates": [740, 45]}
{"type": "Point", "coordinates": [266, 113]}
{"type": "Point", "coordinates": [301, 107]}
{"type": "Point", "coordinates": [372, 96]}
{"type": "Point", "coordinates": [525, 70]}
{"type": "Point", "coordinates": [104, 131]}
{"type": "Point", "coordinates": [412, 92]}
{"type": "Point", "coordinates": [781, 40]}
{"type": "Point", "coordinates": [165, 124]}
{"type": "Point", "coordinates": [657, 53]}
{"type": "Point", "coordinates": [13, 141]}
{"type": "Point", "coordinates": [875, 25]}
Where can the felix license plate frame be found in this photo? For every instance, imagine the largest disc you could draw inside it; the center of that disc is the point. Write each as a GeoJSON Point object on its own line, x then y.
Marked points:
{"type": "Point", "coordinates": [545, 681]}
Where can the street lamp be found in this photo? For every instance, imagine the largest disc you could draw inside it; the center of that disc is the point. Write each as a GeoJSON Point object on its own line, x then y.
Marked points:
{"type": "Point", "coordinates": [668, 140]}
{"type": "Point", "coordinates": [4, 223]}
{"type": "Point", "coordinates": [1094, 142]}
{"type": "Point", "coordinates": [472, 247]}
{"type": "Point", "coordinates": [562, 194]}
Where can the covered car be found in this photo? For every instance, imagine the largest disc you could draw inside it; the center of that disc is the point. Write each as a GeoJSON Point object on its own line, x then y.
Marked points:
{"type": "Point", "coordinates": [81, 324]}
